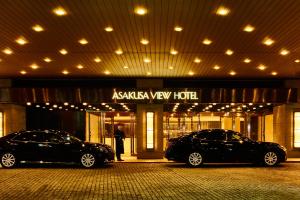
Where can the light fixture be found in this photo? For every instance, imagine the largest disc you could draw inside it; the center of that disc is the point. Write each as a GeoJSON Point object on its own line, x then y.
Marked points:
{"type": "Point", "coordinates": [59, 11]}
{"type": "Point", "coordinates": [54, 106]}
{"type": "Point", "coordinates": [7, 51]}
{"type": "Point", "coordinates": [197, 60]}
{"type": "Point", "coordinates": [106, 72]}
{"type": "Point", "coordinates": [23, 72]}
{"type": "Point", "coordinates": [125, 67]}
{"type": "Point", "coordinates": [216, 67]}
{"type": "Point", "coordinates": [84, 103]}
{"type": "Point", "coordinates": [247, 60]}
{"type": "Point", "coordinates": [248, 28]}
{"type": "Point", "coordinates": [206, 41]}
{"type": "Point", "coordinates": [28, 103]}
{"type": "Point", "coordinates": [37, 28]}
{"type": "Point", "coordinates": [79, 66]}
{"type": "Point", "coordinates": [140, 10]}
{"type": "Point", "coordinates": [268, 41]}
{"type": "Point", "coordinates": [97, 59]}
{"type": "Point", "coordinates": [109, 29]}
{"type": "Point", "coordinates": [178, 28]}
{"type": "Point", "coordinates": [297, 61]}
{"type": "Point", "coordinates": [63, 51]}
{"type": "Point", "coordinates": [284, 52]}
{"type": "Point", "coordinates": [149, 73]}
{"type": "Point", "coordinates": [232, 73]}
{"type": "Point", "coordinates": [173, 52]}
{"type": "Point", "coordinates": [274, 73]}
{"type": "Point", "coordinates": [119, 51]}
{"type": "Point", "coordinates": [191, 73]}
{"type": "Point", "coordinates": [171, 67]}
{"type": "Point", "coordinates": [229, 52]}
{"type": "Point", "coordinates": [83, 41]}
{"type": "Point", "coordinates": [65, 72]}
{"type": "Point", "coordinates": [66, 103]}
{"type": "Point", "coordinates": [261, 67]}
{"type": "Point", "coordinates": [147, 60]}
{"type": "Point", "coordinates": [47, 103]}
{"type": "Point", "coordinates": [250, 104]}
{"type": "Point", "coordinates": [47, 59]}
{"type": "Point", "coordinates": [222, 11]}
{"type": "Point", "coordinates": [21, 40]}
{"type": "Point", "coordinates": [34, 66]}
{"type": "Point", "coordinates": [144, 41]}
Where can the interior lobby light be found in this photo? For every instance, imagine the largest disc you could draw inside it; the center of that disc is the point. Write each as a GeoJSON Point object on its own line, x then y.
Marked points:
{"type": "Point", "coordinates": [268, 41]}
{"type": "Point", "coordinates": [248, 28]}
{"type": "Point", "coordinates": [59, 11]}
{"type": "Point", "coordinates": [178, 28]}
{"type": "Point", "coordinates": [149, 73]}
{"type": "Point", "coordinates": [8, 51]}
{"type": "Point", "coordinates": [150, 130]}
{"type": "Point", "coordinates": [140, 10]}
{"type": "Point", "coordinates": [144, 41]}
{"type": "Point", "coordinates": [28, 103]}
{"type": "Point", "coordinates": [191, 73]}
{"type": "Point", "coordinates": [106, 72]}
{"type": "Point", "coordinates": [21, 40]}
{"type": "Point", "coordinates": [207, 41]}
{"type": "Point", "coordinates": [274, 73]}
{"type": "Point", "coordinates": [284, 52]}
{"type": "Point", "coordinates": [297, 61]}
{"type": "Point", "coordinates": [79, 66]}
{"type": "Point", "coordinates": [84, 103]}
{"type": "Point", "coordinates": [232, 73]}
{"type": "Point", "coordinates": [125, 67]}
{"type": "Point", "coordinates": [197, 60]}
{"type": "Point", "coordinates": [47, 59]}
{"type": "Point", "coordinates": [109, 29]}
{"type": "Point", "coordinates": [173, 52]}
{"type": "Point", "coordinates": [37, 28]}
{"type": "Point", "coordinates": [229, 52]}
{"type": "Point", "coordinates": [23, 72]}
{"type": "Point", "coordinates": [216, 67]}
{"type": "Point", "coordinates": [247, 60]}
{"type": "Point", "coordinates": [119, 51]}
{"type": "Point", "coordinates": [97, 59]}
{"type": "Point", "coordinates": [83, 41]}
{"type": "Point", "coordinates": [34, 66]}
{"type": "Point", "coordinates": [171, 67]}
{"type": "Point", "coordinates": [63, 51]}
{"type": "Point", "coordinates": [47, 103]}
{"type": "Point", "coordinates": [222, 11]}
{"type": "Point", "coordinates": [65, 72]}
{"type": "Point", "coordinates": [147, 60]}
{"type": "Point", "coordinates": [66, 103]}
{"type": "Point", "coordinates": [261, 67]}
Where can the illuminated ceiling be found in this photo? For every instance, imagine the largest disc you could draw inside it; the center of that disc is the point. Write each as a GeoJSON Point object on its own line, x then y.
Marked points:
{"type": "Point", "coordinates": [166, 38]}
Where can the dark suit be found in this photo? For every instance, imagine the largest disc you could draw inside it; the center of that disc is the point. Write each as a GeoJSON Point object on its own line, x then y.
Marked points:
{"type": "Point", "coordinates": [119, 136]}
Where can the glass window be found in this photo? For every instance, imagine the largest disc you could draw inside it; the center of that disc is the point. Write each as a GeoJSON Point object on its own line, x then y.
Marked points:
{"type": "Point", "coordinates": [1, 124]}
{"type": "Point", "coordinates": [233, 136]}
{"type": "Point", "coordinates": [202, 135]}
{"type": "Point", "coordinates": [216, 135]}
{"type": "Point", "coordinates": [52, 137]}
{"type": "Point", "coordinates": [297, 129]}
{"type": "Point", "coordinates": [30, 136]}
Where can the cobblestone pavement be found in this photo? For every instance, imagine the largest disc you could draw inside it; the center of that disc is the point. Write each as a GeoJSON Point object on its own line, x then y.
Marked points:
{"type": "Point", "coordinates": [151, 181]}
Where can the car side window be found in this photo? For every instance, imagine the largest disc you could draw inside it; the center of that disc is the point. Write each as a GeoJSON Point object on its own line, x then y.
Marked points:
{"type": "Point", "coordinates": [51, 137]}
{"type": "Point", "coordinates": [30, 137]}
{"type": "Point", "coordinates": [216, 135]}
{"type": "Point", "coordinates": [202, 135]}
{"type": "Point", "coordinates": [232, 136]}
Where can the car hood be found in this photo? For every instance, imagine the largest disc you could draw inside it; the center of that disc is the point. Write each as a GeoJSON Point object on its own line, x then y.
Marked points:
{"type": "Point", "coordinates": [92, 144]}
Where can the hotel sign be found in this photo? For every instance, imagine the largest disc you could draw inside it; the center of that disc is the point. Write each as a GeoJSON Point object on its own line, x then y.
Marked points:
{"type": "Point", "coordinates": [155, 95]}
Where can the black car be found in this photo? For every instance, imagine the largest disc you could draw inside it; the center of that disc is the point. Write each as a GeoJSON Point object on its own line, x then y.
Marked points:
{"type": "Point", "coordinates": [218, 145]}
{"type": "Point", "coordinates": [51, 146]}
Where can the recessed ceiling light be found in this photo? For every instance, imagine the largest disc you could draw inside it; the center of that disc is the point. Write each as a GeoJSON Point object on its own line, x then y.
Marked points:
{"type": "Point", "coordinates": [178, 28]}
{"type": "Point", "coordinates": [140, 10]}
{"type": "Point", "coordinates": [109, 29]}
{"type": "Point", "coordinates": [107, 72]}
{"type": "Point", "coordinates": [97, 59]}
{"type": "Point", "coordinates": [28, 103]}
{"type": "Point", "coordinates": [21, 40]}
{"type": "Point", "coordinates": [223, 11]}
{"type": "Point", "coordinates": [216, 67]}
{"type": "Point", "coordinates": [66, 103]}
{"type": "Point", "coordinates": [65, 72]}
{"type": "Point", "coordinates": [206, 41]}
{"type": "Point", "coordinates": [47, 59]}
{"type": "Point", "coordinates": [173, 52]}
{"type": "Point", "coordinates": [261, 67]}
{"type": "Point", "coordinates": [247, 60]}
{"type": "Point", "coordinates": [171, 67]}
{"type": "Point", "coordinates": [119, 51]}
{"type": "Point", "coordinates": [274, 73]}
{"type": "Point", "coordinates": [191, 73]}
{"type": "Point", "coordinates": [197, 60]}
{"type": "Point", "coordinates": [149, 73]}
{"type": "Point", "coordinates": [147, 60]}
{"type": "Point", "coordinates": [229, 52]}
{"type": "Point", "coordinates": [59, 11]}
{"type": "Point", "coordinates": [284, 52]}
{"type": "Point", "coordinates": [144, 41]}
{"type": "Point", "coordinates": [268, 41]}
{"type": "Point", "coordinates": [83, 41]}
{"type": "Point", "coordinates": [232, 73]}
{"type": "Point", "coordinates": [249, 28]}
{"type": "Point", "coordinates": [37, 28]}
{"type": "Point", "coordinates": [34, 66]}
{"type": "Point", "coordinates": [85, 103]}
{"type": "Point", "coordinates": [23, 72]}
{"type": "Point", "coordinates": [8, 51]}
{"type": "Point", "coordinates": [79, 66]}
{"type": "Point", "coordinates": [63, 51]}
{"type": "Point", "coordinates": [125, 67]}
{"type": "Point", "coordinates": [297, 61]}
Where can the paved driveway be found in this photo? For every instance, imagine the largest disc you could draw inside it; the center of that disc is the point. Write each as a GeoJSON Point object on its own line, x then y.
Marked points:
{"type": "Point", "coordinates": [151, 181]}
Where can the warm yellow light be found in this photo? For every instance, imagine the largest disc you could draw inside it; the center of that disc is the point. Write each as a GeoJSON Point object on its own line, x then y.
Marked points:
{"type": "Point", "coordinates": [37, 28]}
{"type": "Point", "coordinates": [21, 40]}
{"type": "Point", "coordinates": [97, 59]}
{"type": "Point", "coordinates": [59, 11]}
{"type": "Point", "coordinates": [171, 67]}
{"type": "Point", "coordinates": [23, 72]}
{"type": "Point", "coordinates": [297, 61]}
{"type": "Point", "coordinates": [207, 41]}
{"type": "Point", "coordinates": [223, 11]}
{"type": "Point", "coordinates": [34, 66]}
{"type": "Point", "coordinates": [261, 67]}
{"type": "Point", "coordinates": [229, 52]}
{"type": "Point", "coordinates": [65, 72]}
{"type": "Point", "coordinates": [216, 67]}
{"type": "Point", "coordinates": [47, 59]}
{"type": "Point", "coordinates": [178, 28]}
{"type": "Point", "coordinates": [173, 52]}
{"type": "Point", "coordinates": [63, 51]}
{"type": "Point", "coordinates": [144, 41]}
{"type": "Point", "coordinates": [284, 52]}
{"type": "Point", "coordinates": [191, 73]}
{"type": "Point", "coordinates": [125, 67]}
{"type": "Point", "coordinates": [149, 73]}
{"type": "Point", "coordinates": [83, 41]}
{"type": "Point", "coordinates": [79, 66]}
{"type": "Point", "coordinates": [247, 60]}
{"type": "Point", "coordinates": [107, 72]}
{"type": "Point", "coordinates": [109, 29]}
{"type": "Point", "coordinates": [249, 28]}
{"type": "Point", "coordinates": [66, 103]}
{"type": "Point", "coordinates": [274, 73]}
{"type": "Point", "coordinates": [119, 51]}
{"type": "Point", "coordinates": [232, 73]}
{"type": "Point", "coordinates": [140, 10]}
{"type": "Point", "coordinates": [268, 41]}
{"type": "Point", "coordinates": [147, 60]}
{"type": "Point", "coordinates": [8, 51]}
{"type": "Point", "coordinates": [197, 60]}
{"type": "Point", "coordinates": [296, 129]}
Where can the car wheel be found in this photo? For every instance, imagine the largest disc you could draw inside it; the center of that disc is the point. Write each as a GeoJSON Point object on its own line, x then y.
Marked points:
{"type": "Point", "coordinates": [195, 159]}
{"type": "Point", "coordinates": [8, 160]}
{"type": "Point", "coordinates": [270, 158]}
{"type": "Point", "coordinates": [88, 160]}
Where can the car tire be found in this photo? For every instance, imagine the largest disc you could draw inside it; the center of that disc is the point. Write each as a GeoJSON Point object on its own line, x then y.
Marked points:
{"type": "Point", "coordinates": [88, 160]}
{"type": "Point", "coordinates": [8, 160]}
{"type": "Point", "coordinates": [195, 159]}
{"type": "Point", "coordinates": [270, 158]}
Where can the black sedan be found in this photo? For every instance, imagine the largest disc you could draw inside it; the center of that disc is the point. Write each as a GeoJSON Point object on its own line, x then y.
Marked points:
{"type": "Point", "coordinates": [51, 146]}
{"type": "Point", "coordinates": [218, 145]}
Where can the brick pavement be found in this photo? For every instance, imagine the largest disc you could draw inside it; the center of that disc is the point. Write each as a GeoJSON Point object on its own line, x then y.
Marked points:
{"type": "Point", "coordinates": [151, 181]}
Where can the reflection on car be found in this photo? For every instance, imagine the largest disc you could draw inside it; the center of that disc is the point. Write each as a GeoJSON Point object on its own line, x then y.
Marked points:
{"type": "Point", "coordinates": [219, 145]}
{"type": "Point", "coordinates": [51, 146]}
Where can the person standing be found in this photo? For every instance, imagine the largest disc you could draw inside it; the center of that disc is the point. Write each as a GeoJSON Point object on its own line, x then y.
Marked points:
{"type": "Point", "coordinates": [119, 136]}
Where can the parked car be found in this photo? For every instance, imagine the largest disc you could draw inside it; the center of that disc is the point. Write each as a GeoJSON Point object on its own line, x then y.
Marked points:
{"type": "Point", "coordinates": [218, 145]}
{"type": "Point", "coordinates": [51, 146]}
